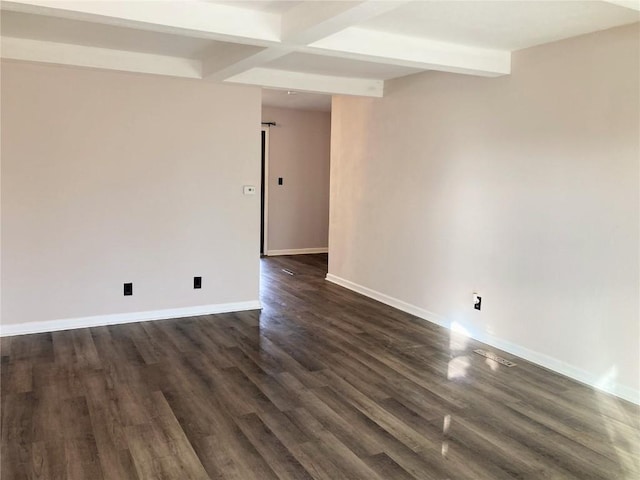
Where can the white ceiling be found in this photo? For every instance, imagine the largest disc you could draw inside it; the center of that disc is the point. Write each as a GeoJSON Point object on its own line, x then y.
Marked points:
{"type": "Point", "coordinates": [311, 47]}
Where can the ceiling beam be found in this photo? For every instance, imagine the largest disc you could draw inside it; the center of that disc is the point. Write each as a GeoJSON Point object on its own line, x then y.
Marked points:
{"type": "Point", "coordinates": [189, 17]}
{"type": "Point", "coordinates": [309, 22]}
{"type": "Point", "coordinates": [393, 49]}
{"type": "Point", "coordinates": [303, 24]}
{"type": "Point", "coordinates": [308, 82]}
{"type": "Point", "coordinates": [632, 4]}
{"type": "Point", "coordinates": [252, 40]}
{"type": "Point", "coordinates": [94, 57]}
{"type": "Point", "coordinates": [219, 68]}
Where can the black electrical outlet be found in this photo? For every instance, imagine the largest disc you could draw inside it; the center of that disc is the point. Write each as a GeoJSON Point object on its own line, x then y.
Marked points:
{"type": "Point", "coordinates": [280, 181]}
{"type": "Point", "coordinates": [478, 303]}
{"type": "Point", "coordinates": [128, 289]}
{"type": "Point", "coordinates": [197, 282]}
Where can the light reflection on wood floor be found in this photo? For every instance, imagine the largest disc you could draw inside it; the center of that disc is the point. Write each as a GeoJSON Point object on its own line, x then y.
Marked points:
{"type": "Point", "coordinates": [323, 384]}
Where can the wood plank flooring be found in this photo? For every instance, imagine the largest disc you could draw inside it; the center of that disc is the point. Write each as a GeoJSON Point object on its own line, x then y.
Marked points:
{"type": "Point", "coordinates": [321, 384]}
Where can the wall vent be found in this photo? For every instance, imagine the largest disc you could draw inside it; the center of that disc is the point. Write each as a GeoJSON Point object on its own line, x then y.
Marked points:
{"type": "Point", "coordinates": [494, 357]}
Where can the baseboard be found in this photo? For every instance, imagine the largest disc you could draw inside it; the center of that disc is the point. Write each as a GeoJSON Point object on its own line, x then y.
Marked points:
{"type": "Point", "coordinates": [387, 300]}
{"type": "Point", "coordinates": [532, 356]}
{"type": "Point", "coordinates": [297, 251]}
{"type": "Point", "coordinates": [103, 320]}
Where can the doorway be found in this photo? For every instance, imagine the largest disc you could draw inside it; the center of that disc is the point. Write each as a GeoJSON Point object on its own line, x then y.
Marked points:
{"type": "Point", "coordinates": [264, 175]}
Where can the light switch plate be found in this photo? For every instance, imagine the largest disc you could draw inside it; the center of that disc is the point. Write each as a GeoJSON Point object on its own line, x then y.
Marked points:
{"type": "Point", "coordinates": [249, 190]}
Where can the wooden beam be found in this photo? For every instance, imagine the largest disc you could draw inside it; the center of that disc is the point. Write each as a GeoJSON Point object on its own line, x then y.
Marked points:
{"type": "Point", "coordinates": [632, 4]}
{"type": "Point", "coordinates": [308, 82]}
{"type": "Point", "coordinates": [189, 18]}
{"type": "Point", "coordinates": [309, 22]}
{"type": "Point", "coordinates": [94, 57]}
{"type": "Point", "coordinates": [303, 24]}
{"type": "Point", "coordinates": [235, 61]}
{"type": "Point", "coordinates": [393, 49]}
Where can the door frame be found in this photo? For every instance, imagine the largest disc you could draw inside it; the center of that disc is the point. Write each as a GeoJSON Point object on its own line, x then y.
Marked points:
{"type": "Point", "coordinates": [264, 192]}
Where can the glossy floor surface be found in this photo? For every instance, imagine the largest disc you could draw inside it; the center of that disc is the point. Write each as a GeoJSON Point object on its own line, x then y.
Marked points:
{"type": "Point", "coordinates": [323, 383]}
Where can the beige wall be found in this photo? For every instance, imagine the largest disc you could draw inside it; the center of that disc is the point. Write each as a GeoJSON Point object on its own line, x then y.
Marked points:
{"type": "Point", "coordinates": [110, 178]}
{"type": "Point", "coordinates": [298, 215]}
{"type": "Point", "coordinates": [524, 188]}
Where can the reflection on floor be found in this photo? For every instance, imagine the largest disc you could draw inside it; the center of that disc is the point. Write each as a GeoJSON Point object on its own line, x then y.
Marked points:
{"type": "Point", "coordinates": [323, 383]}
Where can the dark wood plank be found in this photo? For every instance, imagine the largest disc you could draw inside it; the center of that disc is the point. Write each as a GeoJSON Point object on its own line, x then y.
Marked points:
{"type": "Point", "coordinates": [323, 383]}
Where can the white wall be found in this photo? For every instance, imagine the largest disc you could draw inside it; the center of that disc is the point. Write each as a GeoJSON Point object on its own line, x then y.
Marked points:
{"type": "Point", "coordinates": [524, 188]}
{"type": "Point", "coordinates": [110, 178]}
{"type": "Point", "coordinates": [298, 216]}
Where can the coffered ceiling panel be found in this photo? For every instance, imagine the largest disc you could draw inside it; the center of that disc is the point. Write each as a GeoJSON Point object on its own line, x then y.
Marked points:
{"type": "Point", "coordinates": [322, 47]}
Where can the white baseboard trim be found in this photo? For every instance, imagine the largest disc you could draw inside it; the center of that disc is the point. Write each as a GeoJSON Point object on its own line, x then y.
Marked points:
{"type": "Point", "coordinates": [532, 356]}
{"type": "Point", "coordinates": [387, 300]}
{"type": "Point", "coordinates": [297, 251]}
{"type": "Point", "coordinates": [103, 320]}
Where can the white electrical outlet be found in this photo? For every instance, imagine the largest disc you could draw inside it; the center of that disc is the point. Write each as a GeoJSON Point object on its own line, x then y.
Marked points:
{"type": "Point", "coordinates": [477, 301]}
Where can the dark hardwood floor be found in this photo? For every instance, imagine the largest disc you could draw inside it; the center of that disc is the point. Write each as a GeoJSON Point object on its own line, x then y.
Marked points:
{"type": "Point", "coordinates": [323, 384]}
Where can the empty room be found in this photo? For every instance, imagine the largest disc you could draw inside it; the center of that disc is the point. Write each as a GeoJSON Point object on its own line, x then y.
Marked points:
{"type": "Point", "coordinates": [377, 240]}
